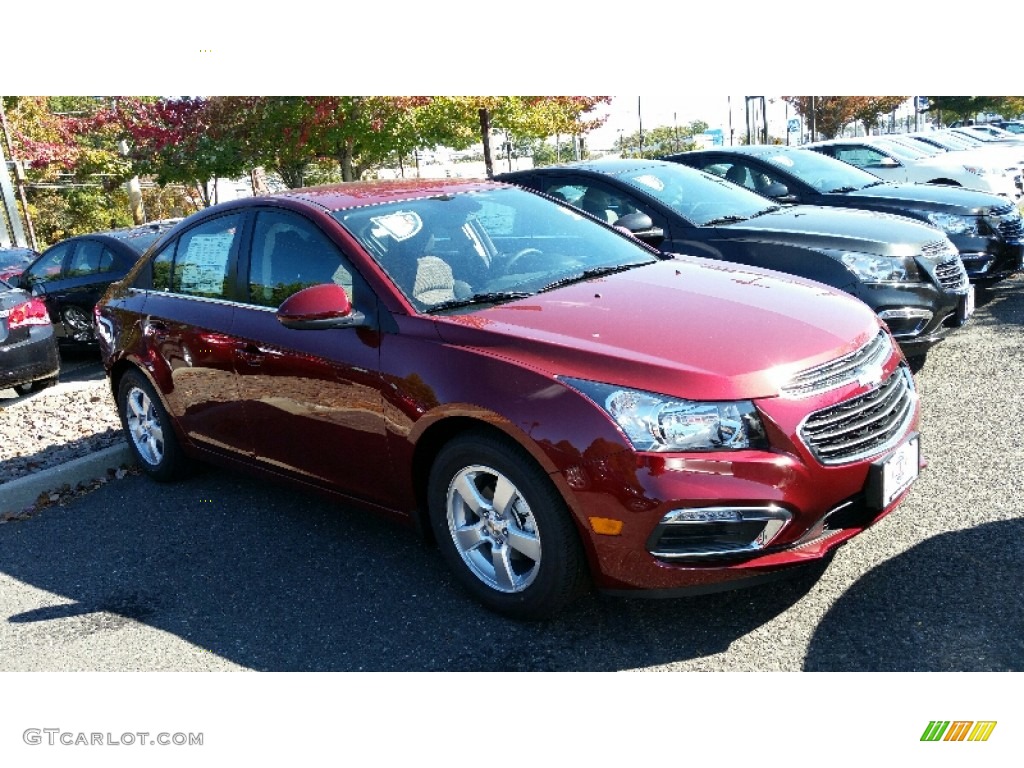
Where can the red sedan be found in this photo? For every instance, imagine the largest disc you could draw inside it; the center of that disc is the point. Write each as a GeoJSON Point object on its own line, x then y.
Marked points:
{"type": "Point", "coordinates": [559, 404]}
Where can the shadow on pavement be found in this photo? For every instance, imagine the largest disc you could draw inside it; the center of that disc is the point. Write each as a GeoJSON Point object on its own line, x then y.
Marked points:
{"type": "Point", "coordinates": [952, 603]}
{"type": "Point", "coordinates": [272, 579]}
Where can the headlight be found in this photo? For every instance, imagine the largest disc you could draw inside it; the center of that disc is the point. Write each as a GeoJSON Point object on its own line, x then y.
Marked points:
{"type": "Point", "coordinates": [655, 422]}
{"type": "Point", "coordinates": [873, 268]}
{"type": "Point", "coordinates": [953, 224]}
{"type": "Point", "coordinates": [982, 171]}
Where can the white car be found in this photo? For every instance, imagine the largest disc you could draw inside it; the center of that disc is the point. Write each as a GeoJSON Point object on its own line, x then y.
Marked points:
{"type": "Point", "coordinates": [966, 147]}
{"type": "Point", "coordinates": [892, 161]}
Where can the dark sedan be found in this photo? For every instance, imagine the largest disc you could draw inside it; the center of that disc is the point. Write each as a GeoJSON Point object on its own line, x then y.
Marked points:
{"type": "Point", "coordinates": [72, 275]}
{"type": "Point", "coordinates": [986, 229]}
{"type": "Point", "coordinates": [910, 274]}
{"type": "Point", "coordinates": [28, 349]}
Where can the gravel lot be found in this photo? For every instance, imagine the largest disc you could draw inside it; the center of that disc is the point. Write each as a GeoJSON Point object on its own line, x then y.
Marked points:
{"type": "Point", "coordinates": [226, 572]}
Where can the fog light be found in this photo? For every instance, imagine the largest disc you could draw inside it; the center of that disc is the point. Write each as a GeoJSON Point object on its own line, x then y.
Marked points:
{"type": "Point", "coordinates": [905, 322]}
{"type": "Point", "coordinates": [716, 531]}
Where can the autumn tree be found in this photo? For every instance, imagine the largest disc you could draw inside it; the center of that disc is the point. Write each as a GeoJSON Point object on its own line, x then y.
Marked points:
{"type": "Point", "coordinates": [831, 114]}
{"type": "Point", "coordinates": [178, 141]}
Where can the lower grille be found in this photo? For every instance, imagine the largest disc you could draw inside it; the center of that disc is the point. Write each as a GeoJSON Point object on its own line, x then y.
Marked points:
{"type": "Point", "coordinates": [863, 426]}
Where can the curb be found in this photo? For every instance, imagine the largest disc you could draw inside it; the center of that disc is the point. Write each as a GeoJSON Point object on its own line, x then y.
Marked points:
{"type": "Point", "coordinates": [18, 494]}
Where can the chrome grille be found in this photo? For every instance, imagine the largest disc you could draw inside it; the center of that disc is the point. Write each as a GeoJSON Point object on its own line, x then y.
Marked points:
{"type": "Point", "coordinates": [938, 249]}
{"type": "Point", "coordinates": [951, 275]}
{"type": "Point", "coordinates": [863, 426]}
{"type": "Point", "coordinates": [1008, 224]}
{"type": "Point", "coordinates": [840, 371]}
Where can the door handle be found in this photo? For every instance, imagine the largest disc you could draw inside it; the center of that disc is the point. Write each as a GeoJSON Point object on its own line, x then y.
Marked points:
{"type": "Point", "coordinates": [251, 354]}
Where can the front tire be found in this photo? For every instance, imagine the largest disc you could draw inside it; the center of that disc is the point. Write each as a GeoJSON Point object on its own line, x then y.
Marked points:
{"type": "Point", "coordinates": [148, 428]}
{"type": "Point", "coordinates": [503, 528]}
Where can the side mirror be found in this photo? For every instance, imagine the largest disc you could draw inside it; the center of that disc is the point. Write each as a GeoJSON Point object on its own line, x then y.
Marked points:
{"type": "Point", "coordinates": [641, 227]}
{"type": "Point", "coordinates": [319, 307]}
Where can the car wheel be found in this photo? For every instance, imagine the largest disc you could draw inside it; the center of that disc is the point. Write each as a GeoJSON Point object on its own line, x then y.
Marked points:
{"type": "Point", "coordinates": [503, 528]}
{"type": "Point", "coordinates": [149, 429]}
{"type": "Point", "coordinates": [78, 324]}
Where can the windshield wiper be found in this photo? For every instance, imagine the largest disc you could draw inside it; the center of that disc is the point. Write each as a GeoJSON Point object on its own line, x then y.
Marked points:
{"type": "Point", "coordinates": [874, 183]}
{"type": "Point", "coordinates": [769, 209]}
{"type": "Point", "coordinates": [491, 297]}
{"type": "Point", "coordinates": [589, 274]}
{"type": "Point", "coordinates": [724, 220]}
{"type": "Point", "coordinates": [843, 189]}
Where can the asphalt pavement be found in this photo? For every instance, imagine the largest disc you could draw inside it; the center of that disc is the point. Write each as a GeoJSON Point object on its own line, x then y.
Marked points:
{"type": "Point", "coordinates": [223, 571]}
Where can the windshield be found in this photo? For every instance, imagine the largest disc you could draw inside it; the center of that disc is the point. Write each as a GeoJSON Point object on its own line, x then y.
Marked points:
{"type": "Point", "coordinates": [824, 173]}
{"type": "Point", "coordinates": [699, 197]}
{"type": "Point", "coordinates": [923, 150]}
{"type": "Point", "coordinates": [485, 247]}
{"type": "Point", "coordinates": [16, 258]}
{"type": "Point", "coordinates": [901, 151]}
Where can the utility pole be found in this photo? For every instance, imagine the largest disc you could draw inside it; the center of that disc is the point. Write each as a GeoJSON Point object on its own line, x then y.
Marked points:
{"type": "Point", "coordinates": [19, 179]}
{"type": "Point", "coordinates": [485, 131]}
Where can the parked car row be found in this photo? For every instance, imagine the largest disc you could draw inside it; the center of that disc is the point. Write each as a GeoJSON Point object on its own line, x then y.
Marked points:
{"type": "Point", "coordinates": [642, 376]}
{"type": "Point", "coordinates": [986, 229]}
{"type": "Point", "coordinates": [909, 273]}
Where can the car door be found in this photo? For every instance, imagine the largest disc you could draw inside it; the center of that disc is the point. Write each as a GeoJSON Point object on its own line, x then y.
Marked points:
{"type": "Point", "coordinates": [88, 270]}
{"type": "Point", "coordinates": [187, 322]}
{"type": "Point", "coordinates": [312, 397]}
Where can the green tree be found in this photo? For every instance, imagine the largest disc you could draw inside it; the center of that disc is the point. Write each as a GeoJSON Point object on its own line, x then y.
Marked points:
{"type": "Point", "coordinates": [662, 140]}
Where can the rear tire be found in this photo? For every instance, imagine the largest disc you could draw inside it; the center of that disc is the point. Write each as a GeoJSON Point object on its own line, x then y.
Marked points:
{"type": "Point", "coordinates": [148, 429]}
{"type": "Point", "coordinates": [503, 528]}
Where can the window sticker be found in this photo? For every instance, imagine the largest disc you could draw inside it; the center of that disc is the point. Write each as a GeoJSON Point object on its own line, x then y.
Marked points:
{"type": "Point", "coordinates": [782, 160]}
{"type": "Point", "coordinates": [205, 264]}
{"type": "Point", "coordinates": [400, 225]}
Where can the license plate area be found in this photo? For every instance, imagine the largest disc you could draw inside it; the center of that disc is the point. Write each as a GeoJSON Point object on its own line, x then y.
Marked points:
{"type": "Point", "coordinates": [891, 476]}
{"type": "Point", "coordinates": [966, 306]}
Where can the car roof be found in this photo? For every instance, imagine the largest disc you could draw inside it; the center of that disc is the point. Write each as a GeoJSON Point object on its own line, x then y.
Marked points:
{"type": "Point", "coordinates": [604, 166]}
{"type": "Point", "coordinates": [356, 194]}
{"type": "Point", "coordinates": [740, 149]}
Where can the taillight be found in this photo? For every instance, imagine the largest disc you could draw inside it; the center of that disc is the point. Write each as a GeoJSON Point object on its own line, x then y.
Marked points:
{"type": "Point", "coordinates": [32, 312]}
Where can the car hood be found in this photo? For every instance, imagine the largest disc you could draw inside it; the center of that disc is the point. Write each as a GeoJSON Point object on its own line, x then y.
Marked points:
{"type": "Point", "coordinates": [931, 197]}
{"type": "Point", "coordinates": [839, 229]}
{"type": "Point", "coordinates": [686, 327]}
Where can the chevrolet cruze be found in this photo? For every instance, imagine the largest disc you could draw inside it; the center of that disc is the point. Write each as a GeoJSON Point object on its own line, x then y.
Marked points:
{"type": "Point", "coordinates": [560, 405]}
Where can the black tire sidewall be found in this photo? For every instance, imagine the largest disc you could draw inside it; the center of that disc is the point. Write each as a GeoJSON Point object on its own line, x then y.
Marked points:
{"type": "Point", "coordinates": [561, 575]}
{"type": "Point", "coordinates": [171, 465]}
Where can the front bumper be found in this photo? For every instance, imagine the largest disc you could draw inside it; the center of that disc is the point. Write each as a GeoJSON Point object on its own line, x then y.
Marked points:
{"type": "Point", "coordinates": [822, 506]}
{"type": "Point", "coordinates": [920, 315]}
{"type": "Point", "coordinates": [989, 259]}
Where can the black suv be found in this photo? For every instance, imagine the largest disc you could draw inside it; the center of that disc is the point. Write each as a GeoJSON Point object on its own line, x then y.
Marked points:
{"type": "Point", "coordinates": [986, 229]}
{"type": "Point", "coordinates": [910, 274]}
